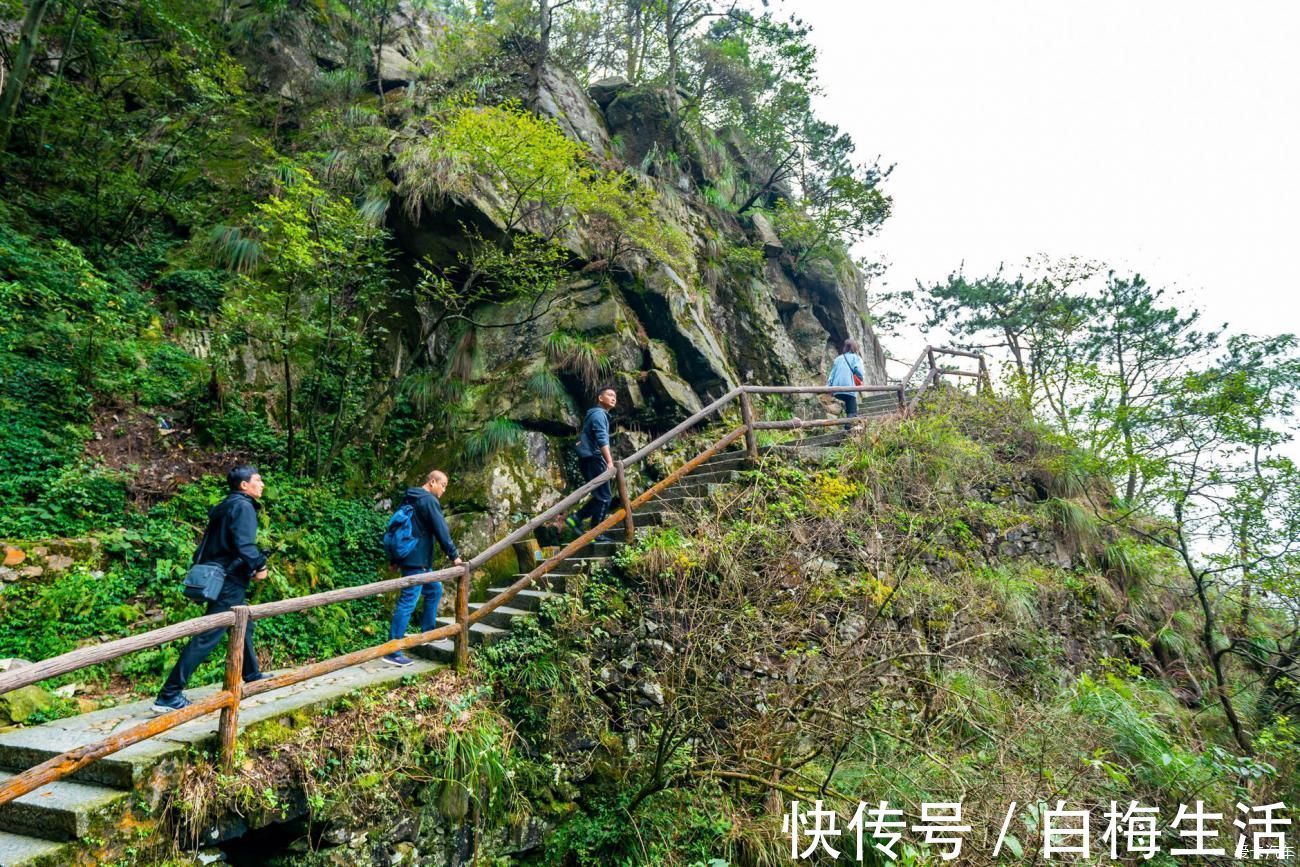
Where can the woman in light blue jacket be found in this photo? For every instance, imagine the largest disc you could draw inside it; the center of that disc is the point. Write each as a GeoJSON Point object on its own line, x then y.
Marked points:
{"type": "Point", "coordinates": [846, 367]}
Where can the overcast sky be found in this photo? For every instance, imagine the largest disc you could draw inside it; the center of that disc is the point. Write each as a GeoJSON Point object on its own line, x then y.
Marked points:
{"type": "Point", "coordinates": [1156, 136]}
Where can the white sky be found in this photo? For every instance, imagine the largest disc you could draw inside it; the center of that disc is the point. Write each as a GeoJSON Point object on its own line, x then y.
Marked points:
{"type": "Point", "coordinates": [1154, 135]}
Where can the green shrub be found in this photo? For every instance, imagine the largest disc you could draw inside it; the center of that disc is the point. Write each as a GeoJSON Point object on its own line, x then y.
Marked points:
{"type": "Point", "coordinates": [198, 290]}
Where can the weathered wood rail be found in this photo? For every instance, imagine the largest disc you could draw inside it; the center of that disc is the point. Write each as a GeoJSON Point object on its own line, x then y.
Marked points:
{"type": "Point", "coordinates": [227, 700]}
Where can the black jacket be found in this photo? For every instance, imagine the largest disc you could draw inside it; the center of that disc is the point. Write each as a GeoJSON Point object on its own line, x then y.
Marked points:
{"type": "Point", "coordinates": [231, 538]}
{"type": "Point", "coordinates": [429, 525]}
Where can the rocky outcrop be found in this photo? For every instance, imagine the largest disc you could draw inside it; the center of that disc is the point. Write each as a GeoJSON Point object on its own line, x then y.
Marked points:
{"type": "Point", "coordinates": [669, 342]}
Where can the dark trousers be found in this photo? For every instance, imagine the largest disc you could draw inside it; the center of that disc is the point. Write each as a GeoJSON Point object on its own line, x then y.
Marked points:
{"type": "Point", "coordinates": [202, 645]}
{"type": "Point", "coordinates": [850, 402]}
{"type": "Point", "coordinates": [597, 505]}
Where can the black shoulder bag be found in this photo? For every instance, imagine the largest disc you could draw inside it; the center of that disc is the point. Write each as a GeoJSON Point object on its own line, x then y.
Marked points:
{"type": "Point", "coordinates": [204, 581]}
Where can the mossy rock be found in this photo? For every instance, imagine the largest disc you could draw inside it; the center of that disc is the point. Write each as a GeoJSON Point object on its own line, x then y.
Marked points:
{"type": "Point", "coordinates": [20, 705]}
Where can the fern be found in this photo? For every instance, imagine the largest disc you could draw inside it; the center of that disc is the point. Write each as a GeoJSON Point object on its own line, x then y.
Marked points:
{"type": "Point", "coordinates": [577, 356]}
{"type": "Point", "coordinates": [545, 386]}
{"type": "Point", "coordinates": [234, 250]}
{"type": "Point", "coordinates": [498, 434]}
{"type": "Point", "coordinates": [1075, 522]}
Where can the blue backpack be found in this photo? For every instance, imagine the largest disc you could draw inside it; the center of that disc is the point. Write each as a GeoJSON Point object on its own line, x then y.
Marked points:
{"type": "Point", "coordinates": [399, 535]}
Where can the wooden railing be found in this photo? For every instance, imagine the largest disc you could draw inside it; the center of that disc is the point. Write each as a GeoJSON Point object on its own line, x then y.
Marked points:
{"type": "Point", "coordinates": [233, 691]}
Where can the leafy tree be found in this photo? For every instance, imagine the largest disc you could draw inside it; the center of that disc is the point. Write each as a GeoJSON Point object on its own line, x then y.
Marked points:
{"type": "Point", "coordinates": [1096, 353]}
{"type": "Point", "coordinates": [1037, 320]}
{"type": "Point", "coordinates": [1233, 503]}
{"type": "Point", "coordinates": [1136, 344]}
{"type": "Point", "coordinates": [534, 172]}
{"type": "Point", "coordinates": [848, 209]}
{"type": "Point", "coordinates": [22, 63]}
{"type": "Point", "coordinates": [315, 279]}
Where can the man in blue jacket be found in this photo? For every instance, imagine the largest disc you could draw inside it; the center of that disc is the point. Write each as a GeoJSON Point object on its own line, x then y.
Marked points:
{"type": "Point", "coordinates": [231, 541]}
{"type": "Point", "coordinates": [594, 458]}
{"type": "Point", "coordinates": [429, 524]}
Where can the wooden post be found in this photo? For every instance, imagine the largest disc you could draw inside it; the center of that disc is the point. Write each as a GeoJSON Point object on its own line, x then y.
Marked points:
{"type": "Point", "coordinates": [902, 400]}
{"type": "Point", "coordinates": [751, 438]}
{"type": "Point", "coordinates": [629, 525]}
{"type": "Point", "coordinates": [934, 368]}
{"type": "Point", "coordinates": [462, 617]}
{"type": "Point", "coordinates": [984, 375]}
{"type": "Point", "coordinates": [234, 685]}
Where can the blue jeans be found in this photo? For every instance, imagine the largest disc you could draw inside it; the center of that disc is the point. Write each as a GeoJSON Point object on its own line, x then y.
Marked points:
{"type": "Point", "coordinates": [432, 594]}
{"type": "Point", "coordinates": [850, 401]}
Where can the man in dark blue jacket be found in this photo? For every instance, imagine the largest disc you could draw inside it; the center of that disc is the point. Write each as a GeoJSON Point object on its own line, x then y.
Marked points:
{"type": "Point", "coordinates": [429, 525]}
{"type": "Point", "coordinates": [594, 458]}
{"type": "Point", "coordinates": [231, 541]}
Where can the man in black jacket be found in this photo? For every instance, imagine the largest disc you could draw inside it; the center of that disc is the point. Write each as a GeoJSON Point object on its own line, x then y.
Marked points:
{"type": "Point", "coordinates": [231, 541]}
{"type": "Point", "coordinates": [428, 524]}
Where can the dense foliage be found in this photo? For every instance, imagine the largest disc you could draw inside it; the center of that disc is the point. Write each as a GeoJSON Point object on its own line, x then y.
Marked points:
{"type": "Point", "coordinates": [870, 629]}
{"type": "Point", "coordinates": [202, 209]}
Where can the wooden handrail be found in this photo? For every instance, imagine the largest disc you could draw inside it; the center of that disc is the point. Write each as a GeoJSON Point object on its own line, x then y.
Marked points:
{"type": "Point", "coordinates": [227, 700]}
{"type": "Point", "coordinates": [643, 452]}
{"type": "Point", "coordinates": [74, 660]}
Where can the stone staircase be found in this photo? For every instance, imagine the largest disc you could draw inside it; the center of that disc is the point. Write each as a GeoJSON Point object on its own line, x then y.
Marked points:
{"type": "Point", "coordinates": [36, 829]}
{"type": "Point", "coordinates": [711, 478]}
{"type": "Point", "coordinates": [96, 802]}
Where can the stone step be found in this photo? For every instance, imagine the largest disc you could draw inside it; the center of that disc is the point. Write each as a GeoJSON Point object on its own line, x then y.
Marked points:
{"type": "Point", "coordinates": [688, 488]}
{"type": "Point", "coordinates": [17, 850]}
{"type": "Point", "coordinates": [597, 549]}
{"type": "Point", "coordinates": [62, 810]}
{"type": "Point", "coordinates": [573, 565]}
{"type": "Point", "coordinates": [551, 582]}
{"type": "Point", "coordinates": [500, 617]}
{"type": "Point", "coordinates": [645, 521]}
{"type": "Point", "coordinates": [732, 460]}
{"type": "Point", "coordinates": [443, 650]}
{"type": "Point", "coordinates": [710, 476]}
{"type": "Point", "coordinates": [671, 504]}
{"type": "Point", "coordinates": [528, 600]}
{"type": "Point", "coordinates": [825, 439]}
{"type": "Point", "coordinates": [479, 633]}
{"type": "Point", "coordinates": [23, 748]}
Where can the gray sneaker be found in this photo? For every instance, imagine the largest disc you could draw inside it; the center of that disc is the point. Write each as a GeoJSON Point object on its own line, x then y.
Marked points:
{"type": "Point", "coordinates": [401, 660]}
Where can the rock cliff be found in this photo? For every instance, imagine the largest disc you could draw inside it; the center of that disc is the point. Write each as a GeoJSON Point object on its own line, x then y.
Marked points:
{"type": "Point", "coordinates": [669, 342]}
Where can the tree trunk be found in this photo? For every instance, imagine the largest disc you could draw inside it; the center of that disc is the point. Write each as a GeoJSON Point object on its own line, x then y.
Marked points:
{"type": "Point", "coordinates": [379, 51]}
{"type": "Point", "coordinates": [670, 37]}
{"type": "Point", "coordinates": [540, 54]}
{"type": "Point", "coordinates": [13, 89]}
{"type": "Point", "coordinates": [1216, 663]}
{"type": "Point", "coordinates": [634, 39]}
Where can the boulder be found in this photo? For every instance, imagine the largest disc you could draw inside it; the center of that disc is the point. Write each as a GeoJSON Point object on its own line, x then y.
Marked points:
{"type": "Point", "coordinates": [14, 556]}
{"type": "Point", "coordinates": [651, 691]}
{"type": "Point", "coordinates": [604, 91]}
{"type": "Point", "coordinates": [671, 395]}
{"type": "Point", "coordinates": [561, 97]}
{"type": "Point", "coordinates": [641, 119]}
{"type": "Point", "coordinates": [18, 706]}
{"type": "Point", "coordinates": [58, 563]}
{"type": "Point", "coordinates": [766, 235]}
{"type": "Point", "coordinates": [521, 479]}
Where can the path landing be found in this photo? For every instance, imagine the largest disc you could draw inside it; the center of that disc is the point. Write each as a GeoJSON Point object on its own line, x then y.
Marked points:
{"type": "Point", "coordinates": [35, 828]}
